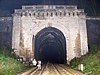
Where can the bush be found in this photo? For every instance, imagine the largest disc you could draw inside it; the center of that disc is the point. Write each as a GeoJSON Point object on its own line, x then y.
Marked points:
{"type": "Point", "coordinates": [6, 51]}
{"type": "Point", "coordinates": [94, 49]}
{"type": "Point", "coordinates": [91, 61]}
{"type": "Point", "coordinates": [10, 66]}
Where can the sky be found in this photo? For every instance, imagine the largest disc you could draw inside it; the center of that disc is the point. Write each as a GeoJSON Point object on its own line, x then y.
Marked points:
{"type": "Point", "coordinates": [10, 5]}
{"type": "Point", "coordinates": [4, 4]}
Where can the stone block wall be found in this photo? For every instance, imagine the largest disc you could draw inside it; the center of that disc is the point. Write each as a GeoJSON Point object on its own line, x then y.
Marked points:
{"type": "Point", "coordinates": [6, 24]}
{"type": "Point", "coordinates": [93, 31]}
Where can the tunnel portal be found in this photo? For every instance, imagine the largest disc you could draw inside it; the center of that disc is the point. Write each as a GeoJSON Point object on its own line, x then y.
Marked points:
{"type": "Point", "coordinates": [50, 46]}
{"type": "Point", "coordinates": [57, 36]}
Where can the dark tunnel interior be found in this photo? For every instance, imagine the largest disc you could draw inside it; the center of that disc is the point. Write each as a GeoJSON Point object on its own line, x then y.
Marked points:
{"type": "Point", "coordinates": [50, 46]}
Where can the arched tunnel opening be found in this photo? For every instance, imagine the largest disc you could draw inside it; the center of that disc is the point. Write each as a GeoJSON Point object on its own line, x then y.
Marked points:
{"type": "Point", "coordinates": [50, 46]}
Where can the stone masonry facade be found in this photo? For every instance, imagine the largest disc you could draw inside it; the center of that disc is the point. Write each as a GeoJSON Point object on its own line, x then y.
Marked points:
{"type": "Point", "coordinates": [29, 20]}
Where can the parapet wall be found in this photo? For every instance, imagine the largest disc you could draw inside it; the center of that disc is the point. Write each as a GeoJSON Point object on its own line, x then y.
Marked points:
{"type": "Point", "coordinates": [49, 11]}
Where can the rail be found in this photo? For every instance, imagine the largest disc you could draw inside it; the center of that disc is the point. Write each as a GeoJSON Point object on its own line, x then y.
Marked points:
{"type": "Point", "coordinates": [52, 69]}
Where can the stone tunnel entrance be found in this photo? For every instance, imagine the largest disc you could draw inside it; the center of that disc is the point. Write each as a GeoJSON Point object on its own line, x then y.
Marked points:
{"type": "Point", "coordinates": [50, 45]}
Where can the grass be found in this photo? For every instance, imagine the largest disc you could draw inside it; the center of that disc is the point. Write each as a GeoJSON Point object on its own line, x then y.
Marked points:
{"type": "Point", "coordinates": [8, 64]}
{"type": "Point", "coordinates": [91, 61]}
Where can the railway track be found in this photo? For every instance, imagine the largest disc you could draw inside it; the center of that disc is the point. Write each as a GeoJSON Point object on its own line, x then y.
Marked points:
{"type": "Point", "coordinates": [52, 69]}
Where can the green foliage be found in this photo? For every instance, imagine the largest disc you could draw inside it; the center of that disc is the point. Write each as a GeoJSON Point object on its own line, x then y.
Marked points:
{"type": "Point", "coordinates": [94, 49]}
{"type": "Point", "coordinates": [75, 62]}
{"type": "Point", "coordinates": [91, 61]}
{"type": "Point", "coordinates": [10, 66]}
{"type": "Point", "coordinates": [6, 51]}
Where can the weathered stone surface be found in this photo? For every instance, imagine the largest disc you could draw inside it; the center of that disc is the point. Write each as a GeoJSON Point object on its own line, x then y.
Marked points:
{"type": "Point", "coordinates": [29, 20]}
{"type": "Point", "coordinates": [93, 31]}
{"type": "Point", "coordinates": [5, 31]}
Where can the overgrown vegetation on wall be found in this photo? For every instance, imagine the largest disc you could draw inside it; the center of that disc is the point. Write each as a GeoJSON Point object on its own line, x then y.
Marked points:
{"type": "Point", "coordinates": [91, 61]}
{"type": "Point", "coordinates": [8, 64]}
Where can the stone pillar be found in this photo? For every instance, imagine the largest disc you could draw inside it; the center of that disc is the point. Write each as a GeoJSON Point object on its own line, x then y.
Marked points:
{"type": "Point", "coordinates": [83, 34]}
{"type": "Point", "coordinates": [16, 32]}
{"type": "Point", "coordinates": [22, 51]}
